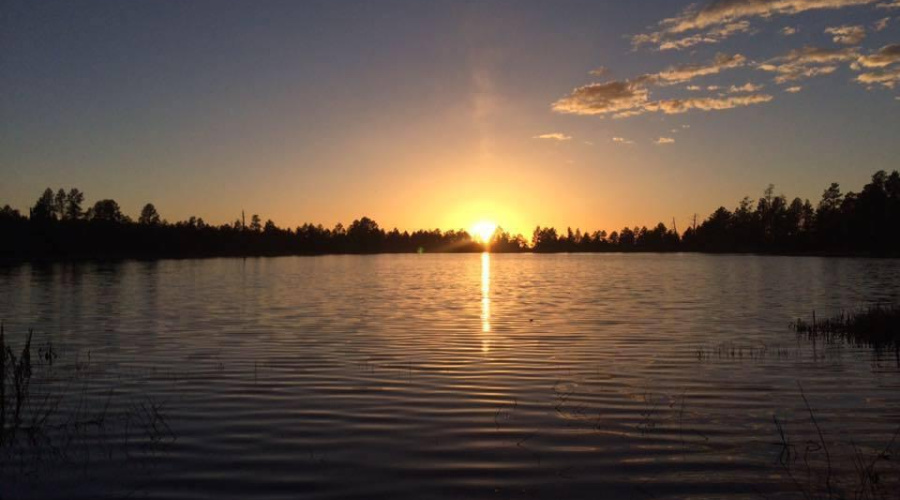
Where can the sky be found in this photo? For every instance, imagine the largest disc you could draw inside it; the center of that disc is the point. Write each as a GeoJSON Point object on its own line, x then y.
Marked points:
{"type": "Point", "coordinates": [441, 114]}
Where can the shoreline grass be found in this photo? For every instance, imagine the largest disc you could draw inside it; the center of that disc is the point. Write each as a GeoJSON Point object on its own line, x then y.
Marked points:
{"type": "Point", "coordinates": [876, 326]}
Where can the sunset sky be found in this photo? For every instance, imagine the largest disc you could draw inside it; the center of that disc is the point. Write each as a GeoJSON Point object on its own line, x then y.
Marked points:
{"type": "Point", "coordinates": [424, 114]}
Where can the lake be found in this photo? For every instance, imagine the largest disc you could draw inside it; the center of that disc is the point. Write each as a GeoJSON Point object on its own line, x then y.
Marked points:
{"type": "Point", "coordinates": [449, 376]}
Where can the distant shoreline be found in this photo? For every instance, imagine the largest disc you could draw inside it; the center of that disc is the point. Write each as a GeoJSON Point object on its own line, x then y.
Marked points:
{"type": "Point", "coordinates": [12, 261]}
{"type": "Point", "coordinates": [864, 224]}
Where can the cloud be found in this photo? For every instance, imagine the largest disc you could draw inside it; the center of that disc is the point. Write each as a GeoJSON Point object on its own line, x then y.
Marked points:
{"type": "Point", "coordinates": [881, 24]}
{"type": "Point", "coordinates": [622, 140]}
{"type": "Point", "coordinates": [794, 73]}
{"type": "Point", "coordinates": [885, 56]}
{"type": "Point", "coordinates": [747, 87]}
{"type": "Point", "coordinates": [711, 21]}
{"type": "Point", "coordinates": [677, 106]}
{"type": "Point", "coordinates": [807, 62]}
{"type": "Point", "coordinates": [603, 98]}
{"type": "Point", "coordinates": [886, 78]}
{"type": "Point", "coordinates": [629, 113]}
{"type": "Point", "coordinates": [687, 72]}
{"type": "Point", "coordinates": [714, 35]}
{"type": "Point", "coordinates": [554, 136]}
{"type": "Point", "coordinates": [723, 12]}
{"type": "Point", "coordinates": [847, 35]}
{"type": "Point", "coordinates": [628, 98]}
{"type": "Point", "coordinates": [663, 141]}
{"type": "Point", "coordinates": [788, 31]}
{"type": "Point", "coordinates": [814, 55]}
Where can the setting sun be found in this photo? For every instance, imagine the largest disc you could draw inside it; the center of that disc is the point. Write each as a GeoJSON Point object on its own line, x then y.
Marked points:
{"type": "Point", "coordinates": [484, 230]}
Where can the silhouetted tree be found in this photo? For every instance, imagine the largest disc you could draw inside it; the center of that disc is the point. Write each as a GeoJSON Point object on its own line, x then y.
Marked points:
{"type": "Point", "coordinates": [44, 209]}
{"type": "Point", "coordinates": [626, 238]}
{"type": "Point", "coordinates": [74, 199]}
{"type": "Point", "coordinates": [59, 204]}
{"type": "Point", "coordinates": [9, 214]}
{"type": "Point", "coordinates": [713, 235]}
{"type": "Point", "coordinates": [255, 223]}
{"type": "Point", "coordinates": [364, 236]}
{"type": "Point", "coordinates": [545, 240]}
{"type": "Point", "coordinates": [106, 211]}
{"type": "Point", "coordinates": [149, 216]}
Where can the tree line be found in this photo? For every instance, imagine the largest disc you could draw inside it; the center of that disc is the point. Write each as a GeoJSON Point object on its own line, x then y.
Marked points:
{"type": "Point", "coordinates": [58, 226]}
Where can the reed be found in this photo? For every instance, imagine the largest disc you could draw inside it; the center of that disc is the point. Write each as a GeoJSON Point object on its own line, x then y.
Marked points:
{"type": "Point", "coordinates": [55, 412]}
{"type": "Point", "coordinates": [821, 469]}
{"type": "Point", "coordinates": [17, 372]}
{"type": "Point", "coordinates": [876, 326]}
{"type": "Point", "coordinates": [2, 385]}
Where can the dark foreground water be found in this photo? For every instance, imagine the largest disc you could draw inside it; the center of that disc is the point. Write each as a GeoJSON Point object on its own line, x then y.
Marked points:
{"type": "Point", "coordinates": [450, 376]}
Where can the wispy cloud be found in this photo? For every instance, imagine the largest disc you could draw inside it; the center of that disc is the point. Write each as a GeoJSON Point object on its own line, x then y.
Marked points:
{"type": "Point", "coordinates": [687, 72]}
{"type": "Point", "coordinates": [747, 87]}
{"type": "Point", "coordinates": [623, 99]}
{"type": "Point", "coordinates": [885, 56]}
{"type": "Point", "coordinates": [554, 136]}
{"type": "Point", "coordinates": [881, 24]}
{"type": "Point", "coordinates": [888, 78]}
{"type": "Point", "coordinates": [714, 35]}
{"type": "Point", "coordinates": [717, 13]}
{"type": "Point", "coordinates": [714, 21]}
{"type": "Point", "coordinates": [663, 141]}
{"type": "Point", "coordinates": [847, 35]}
{"type": "Point", "coordinates": [622, 140]}
{"type": "Point", "coordinates": [603, 98]}
{"type": "Point", "coordinates": [807, 62]}
{"type": "Point", "coordinates": [677, 106]}
{"type": "Point", "coordinates": [599, 72]}
{"type": "Point", "coordinates": [789, 31]}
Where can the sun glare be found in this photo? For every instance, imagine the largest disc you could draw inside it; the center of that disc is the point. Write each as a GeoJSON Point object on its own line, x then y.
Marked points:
{"type": "Point", "coordinates": [484, 231]}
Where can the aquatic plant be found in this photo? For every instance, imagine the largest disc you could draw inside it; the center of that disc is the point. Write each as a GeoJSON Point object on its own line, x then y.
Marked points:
{"type": "Point", "coordinates": [16, 370]}
{"type": "Point", "coordinates": [44, 414]}
{"type": "Point", "coordinates": [877, 326]}
{"type": "Point", "coordinates": [818, 468]}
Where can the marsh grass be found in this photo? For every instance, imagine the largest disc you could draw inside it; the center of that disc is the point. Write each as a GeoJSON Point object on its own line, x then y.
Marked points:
{"type": "Point", "coordinates": [54, 415]}
{"type": "Point", "coordinates": [819, 468]}
{"type": "Point", "coordinates": [15, 372]}
{"type": "Point", "coordinates": [877, 326]}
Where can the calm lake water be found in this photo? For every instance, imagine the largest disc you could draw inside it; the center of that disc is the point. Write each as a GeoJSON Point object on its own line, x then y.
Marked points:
{"type": "Point", "coordinates": [449, 376]}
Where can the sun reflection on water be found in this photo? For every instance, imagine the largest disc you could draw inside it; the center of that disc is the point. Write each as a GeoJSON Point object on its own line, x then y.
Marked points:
{"type": "Point", "coordinates": [485, 300]}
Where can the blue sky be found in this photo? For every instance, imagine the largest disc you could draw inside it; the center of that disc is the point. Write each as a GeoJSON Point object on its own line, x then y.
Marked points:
{"type": "Point", "coordinates": [429, 114]}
